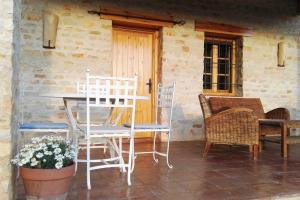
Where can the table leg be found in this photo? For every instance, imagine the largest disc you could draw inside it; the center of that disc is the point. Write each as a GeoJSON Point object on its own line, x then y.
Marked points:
{"type": "Point", "coordinates": [260, 139]}
{"type": "Point", "coordinates": [114, 147]}
{"type": "Point", "coordinates": [284, 145]}
{"type": "Point", "coordinates": [69, 114]}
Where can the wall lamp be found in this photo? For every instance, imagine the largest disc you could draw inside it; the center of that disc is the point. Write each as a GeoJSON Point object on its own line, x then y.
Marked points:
{"type": "Point", "coordinates": [281, 54]}
{"type": "Point", "coordinates": [50, 23]}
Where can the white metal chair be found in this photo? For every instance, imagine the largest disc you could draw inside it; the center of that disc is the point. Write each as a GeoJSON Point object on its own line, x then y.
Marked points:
{"type": "Point", "coordinates": [164, 105]}
{"type": "Point", "coordinates": [39, 127]}
{"type": "Point", "coordinates": [103, 116]}
{"type": "Point", "coordinates": [110, 92]}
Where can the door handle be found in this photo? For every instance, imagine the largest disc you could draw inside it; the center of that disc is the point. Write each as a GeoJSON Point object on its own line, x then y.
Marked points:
{"type": "Point", "coordinates": [149, 85]}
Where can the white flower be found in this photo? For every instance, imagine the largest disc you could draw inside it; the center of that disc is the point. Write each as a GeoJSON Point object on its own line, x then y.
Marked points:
{"type": "Point", "coordinates": [51, 147]}
{"type": "Point", "coordinates": [36, 140]}
{"type": "Point", "coordinates": [49, 153]}
{"type": "Point", "coordinates": [34, 162]}
{"type": "Point", "coordinates": [68, 155]}
{"type": "Point", "coordinates": [58, 165]}
{"type": "Point", "coordinates": [57, 150]}
{"type": "Point", "coordinates": [39, 155]}
{"type": "Point", "coordinates": [59, 157]}
{"type": "Point", "coordinates": [49, 143]}
{"type": "Point", "coordinates": [24, 161]}
{"type": "Point", "coordinates": [14, 161]}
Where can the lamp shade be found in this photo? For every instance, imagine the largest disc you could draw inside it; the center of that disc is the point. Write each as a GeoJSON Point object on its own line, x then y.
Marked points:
{"type": "Point", "coordinates": [281, 54]}
{"type": "Point", "coordinates": [50, 23]}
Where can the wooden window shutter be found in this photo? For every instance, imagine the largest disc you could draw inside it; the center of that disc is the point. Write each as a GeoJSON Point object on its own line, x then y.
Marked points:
{"type": "Point", "coordinates": [211, 27]}
{"type": "Point", "coordinates": [136, 17]}
{"type": "Point", "coordinates": [239, 67]}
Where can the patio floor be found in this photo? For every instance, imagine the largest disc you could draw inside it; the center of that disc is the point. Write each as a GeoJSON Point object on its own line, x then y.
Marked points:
{"type": "Point", "coordinates": [227, 173]}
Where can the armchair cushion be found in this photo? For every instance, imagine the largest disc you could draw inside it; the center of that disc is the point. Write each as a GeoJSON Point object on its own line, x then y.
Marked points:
{"type": "Point", "coordinates": [218, 104]}
{"type": "Point", "coordinates": [43, 125]}
{"type": "Point", "coordinates": [148, 126]}
{"type": "Point", "coordinates": [278, 113]}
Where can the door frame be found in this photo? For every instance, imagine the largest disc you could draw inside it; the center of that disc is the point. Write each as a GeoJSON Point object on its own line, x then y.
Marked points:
{"type": "Point", "coordinates": [156, 65]}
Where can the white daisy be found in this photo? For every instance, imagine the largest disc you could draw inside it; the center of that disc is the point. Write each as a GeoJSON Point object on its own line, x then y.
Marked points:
{"type": "Point", "coordinates": [39, 155]}
{"type": "Point", "coordinates": [58, 165]}
{"type": "Point", "coordinates": [57, 150]}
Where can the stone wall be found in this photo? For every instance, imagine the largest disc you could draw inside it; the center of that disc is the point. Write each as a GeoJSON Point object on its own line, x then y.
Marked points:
{"type": "Point", "coordinates": [9, 48]}
{"type": "Point", "coordinates": [182, 58]}
{"type": "Point", "coordinates": [84, 40]}
{"type": "Point", "coordinates": [15, 118]}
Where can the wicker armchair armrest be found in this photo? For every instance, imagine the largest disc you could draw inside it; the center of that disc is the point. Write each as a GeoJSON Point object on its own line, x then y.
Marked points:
{"type": "Point", "coordinates": [229, 113]}
{"type": "Point", "coordinates": [278, 113]}
{"type": "Point", "coordinates": [232, 126]}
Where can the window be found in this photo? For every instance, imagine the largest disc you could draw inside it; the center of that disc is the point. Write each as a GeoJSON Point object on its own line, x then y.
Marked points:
{"type": "Point", "coordinates": [219, 65]}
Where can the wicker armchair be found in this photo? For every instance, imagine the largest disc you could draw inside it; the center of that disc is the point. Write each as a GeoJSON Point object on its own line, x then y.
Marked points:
{"type": "Point", "coordinates": [232, 126]}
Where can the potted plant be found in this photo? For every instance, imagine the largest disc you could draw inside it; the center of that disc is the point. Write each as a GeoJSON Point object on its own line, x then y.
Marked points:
{"type": "Point", "coordinates": [46, 167]}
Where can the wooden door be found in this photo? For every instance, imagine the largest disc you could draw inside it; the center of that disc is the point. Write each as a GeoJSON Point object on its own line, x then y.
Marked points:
{"type": "Point", "coordinates": [134, 53]}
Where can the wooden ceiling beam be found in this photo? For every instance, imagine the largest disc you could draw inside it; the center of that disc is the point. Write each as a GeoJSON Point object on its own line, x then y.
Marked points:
{"type": "Point", "coordinates": [298, 7]}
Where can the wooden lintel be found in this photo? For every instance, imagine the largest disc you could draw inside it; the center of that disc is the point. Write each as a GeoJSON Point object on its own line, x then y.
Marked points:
{"type": "Point", "coordinates": [212, 27]}
{"type": "Point", "coordinates": [134, 20]}
{"type": "Point", "coordinates": [136, 17]}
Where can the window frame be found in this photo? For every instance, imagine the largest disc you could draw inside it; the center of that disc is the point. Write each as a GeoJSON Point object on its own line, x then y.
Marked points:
{"type": "Point", "coordinates": [214, 68]}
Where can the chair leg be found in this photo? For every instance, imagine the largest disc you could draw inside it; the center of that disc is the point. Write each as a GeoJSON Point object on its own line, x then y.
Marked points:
{"type": "Point", "coordinates": [206, 148]}
{"type": "Point", "coordinates": [255, 151]}
{"type": "Point", "coordinates": [154, 147]}
{"type": "Point", "coordinates": [130, 159]}
{"type": "Point", "coordinates": [121, 156]}
{"type": "Point", "coordinates": [77, 152]}
{"type": "Point", "coordinates": [88, 165]}
{"type": "Point", "coordinates": [105, 146]}
{"type": "Point", "coordinates": [67, 135]}
{"type": "Point", "coordinates": [133, 158]}
{"type": "Point", "coordinates": [168, 149]}
{"type": "Point", "coordinates": [76, 160]}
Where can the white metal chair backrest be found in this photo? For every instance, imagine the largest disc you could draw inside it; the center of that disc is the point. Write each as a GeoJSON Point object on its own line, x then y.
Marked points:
{"type": "Point", "coordinates": [112, 92]}
{"type": "Point", "coordinates": [165, 100]}
{"type": "Point", "coordinates": [100, 115]}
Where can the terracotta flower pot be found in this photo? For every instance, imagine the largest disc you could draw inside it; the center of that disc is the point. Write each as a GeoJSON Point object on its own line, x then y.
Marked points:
{"type": "Point", "coordinates": [47, 183]}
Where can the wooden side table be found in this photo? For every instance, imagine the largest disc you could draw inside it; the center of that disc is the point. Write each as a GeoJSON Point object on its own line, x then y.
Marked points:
{"type": "Point", "coordinates": [284, 133]}
{"type": "Point", "coordinates": [290, 139]}
{"type": "Point", "coordinates": [285, 138]}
